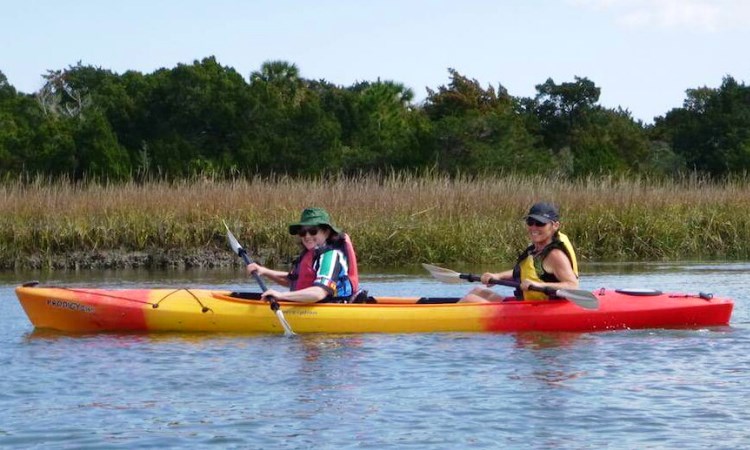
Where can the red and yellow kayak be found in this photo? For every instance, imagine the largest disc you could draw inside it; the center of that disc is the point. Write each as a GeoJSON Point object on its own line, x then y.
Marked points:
{"type": "Point", "coordinates": [82, 310]}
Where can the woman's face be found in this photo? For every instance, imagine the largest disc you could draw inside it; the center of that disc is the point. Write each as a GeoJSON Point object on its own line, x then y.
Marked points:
{"type": "Point", "coordinates": [312, 237]}
{"type": "Point", "coordinates": [541, 233]}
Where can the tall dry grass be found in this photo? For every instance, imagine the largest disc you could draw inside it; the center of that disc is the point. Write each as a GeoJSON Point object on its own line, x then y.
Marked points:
{"type": "Point", "coordinates": [394, 219]}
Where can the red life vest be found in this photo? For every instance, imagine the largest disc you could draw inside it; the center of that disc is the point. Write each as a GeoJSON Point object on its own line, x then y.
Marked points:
{"type": "Point", "coordinates": [351, 258]}
{"type": "Point", "coordinates": [303, 275]}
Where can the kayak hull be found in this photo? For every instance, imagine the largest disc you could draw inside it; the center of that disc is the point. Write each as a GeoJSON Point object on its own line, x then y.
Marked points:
{"type": "Point", "coordinates": [199, 310]}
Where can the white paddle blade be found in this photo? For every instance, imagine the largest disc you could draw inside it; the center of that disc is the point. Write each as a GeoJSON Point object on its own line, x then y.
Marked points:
{"type": "Point", "coordinates": [441, 274]}
{"type": "Point", "coordinates": [236, 247]}
{"type": "Point", "coordinates": [584, 299]}
{"type": "Point", "coordinates": [284, 324]}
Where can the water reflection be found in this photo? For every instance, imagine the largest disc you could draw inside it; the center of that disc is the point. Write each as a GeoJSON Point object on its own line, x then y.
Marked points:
{"type": "Point", "coordinates": [546, 354]}
{"type": "Point", "coordinates": [541, 340]}
{"type": "Point", "coordinates": [317, 346]}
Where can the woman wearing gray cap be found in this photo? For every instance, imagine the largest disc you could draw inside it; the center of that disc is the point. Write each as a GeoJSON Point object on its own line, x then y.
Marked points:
{"type": "Point", "coordinates": [549, 261]}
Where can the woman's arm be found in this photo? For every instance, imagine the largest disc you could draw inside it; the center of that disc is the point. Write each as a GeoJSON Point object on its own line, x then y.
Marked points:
{"type": "Point", "coordinates": [276, 276]}
{"type": "Point", "coordinates": [311, 294]}
{"type": "Point", "coordinates": [557, 263]}
{"type": "Point", "coordinates": [488, 276]}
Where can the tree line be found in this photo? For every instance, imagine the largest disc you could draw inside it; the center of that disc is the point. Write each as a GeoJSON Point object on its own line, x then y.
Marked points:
{"type": "Point", "coordinates": [207, 119]}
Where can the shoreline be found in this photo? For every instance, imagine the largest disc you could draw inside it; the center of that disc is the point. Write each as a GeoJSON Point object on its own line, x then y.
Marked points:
{"type": "Point", "coordinates": [122, 259]}
{"type": "Point", "coordinates": [393, 220]}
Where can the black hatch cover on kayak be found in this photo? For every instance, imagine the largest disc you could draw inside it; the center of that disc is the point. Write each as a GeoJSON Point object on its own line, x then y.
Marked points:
{"type": "Point", "coordinates": [639, 292]}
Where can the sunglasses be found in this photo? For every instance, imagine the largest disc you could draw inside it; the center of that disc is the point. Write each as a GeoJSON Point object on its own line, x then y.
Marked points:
{"type": "Point", "coordinates": [312, 231]}
{"type": "Point", "coordinates": [534, 223]}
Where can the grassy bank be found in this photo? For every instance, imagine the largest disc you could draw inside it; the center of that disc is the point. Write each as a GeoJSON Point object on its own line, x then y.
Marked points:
{"type": "Point", "coordinates": [395, 219]}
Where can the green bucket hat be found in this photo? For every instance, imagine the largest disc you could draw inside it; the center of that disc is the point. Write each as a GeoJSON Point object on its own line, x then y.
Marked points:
{"type": "Point", "coordinates": [313, 217]}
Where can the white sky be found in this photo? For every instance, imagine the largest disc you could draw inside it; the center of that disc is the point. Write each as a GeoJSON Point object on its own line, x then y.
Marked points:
{"type": "Point", "coordinates": [643, 54]}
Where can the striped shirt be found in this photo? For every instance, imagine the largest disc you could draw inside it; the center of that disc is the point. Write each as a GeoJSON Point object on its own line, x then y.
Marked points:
{"type": "Point", "coordinates": [332, 273]}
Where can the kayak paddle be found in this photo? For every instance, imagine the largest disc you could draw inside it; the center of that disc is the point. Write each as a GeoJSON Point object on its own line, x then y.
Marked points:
{"type": "Point", "coordinates": [242, 253]}
{"type": "Point", "coordinates": [584, 299]}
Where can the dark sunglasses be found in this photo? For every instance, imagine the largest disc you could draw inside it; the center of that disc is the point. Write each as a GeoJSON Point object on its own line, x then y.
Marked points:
{"type": "Point", "coordinates": [312, 231]}
{"type": "Point", "coordinates": [534, 223]}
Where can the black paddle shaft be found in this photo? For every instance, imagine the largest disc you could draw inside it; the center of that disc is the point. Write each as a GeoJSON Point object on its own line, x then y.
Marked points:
{"type": "Point", "coordinates": [258, 279]}
{"type": "Point", "coordinates": [510, 283]}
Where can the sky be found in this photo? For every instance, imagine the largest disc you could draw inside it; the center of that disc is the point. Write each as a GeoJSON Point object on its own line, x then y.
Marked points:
{"type": "Point", "coordinates": [643, 54]}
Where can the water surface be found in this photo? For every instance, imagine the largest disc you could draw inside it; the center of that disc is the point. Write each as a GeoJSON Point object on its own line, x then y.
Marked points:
{"type": "Point", "coordinates": [623, 389]}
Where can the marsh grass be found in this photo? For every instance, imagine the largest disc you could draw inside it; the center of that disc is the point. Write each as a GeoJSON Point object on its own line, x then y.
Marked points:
{"type": "Point", "coordinates": [394, 219]}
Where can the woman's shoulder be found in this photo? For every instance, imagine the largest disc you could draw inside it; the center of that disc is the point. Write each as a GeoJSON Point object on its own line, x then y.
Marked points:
{"type": "Point", "coordinates": [556, 255]}
{"type": "Point", "coordinates": [328, 250]}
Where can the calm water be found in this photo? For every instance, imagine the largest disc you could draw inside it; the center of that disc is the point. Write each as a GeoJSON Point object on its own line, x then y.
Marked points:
{"type": "Point", "coordinates": [624, 389]}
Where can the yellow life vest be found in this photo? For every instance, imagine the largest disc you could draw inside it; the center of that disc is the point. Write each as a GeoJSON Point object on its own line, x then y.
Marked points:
{"type": "Point", "coordinates": [530, 266]}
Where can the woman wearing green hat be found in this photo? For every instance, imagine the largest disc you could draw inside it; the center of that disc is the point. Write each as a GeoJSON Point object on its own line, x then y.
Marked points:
{"type": "Point", "coordinates": [326, 269]}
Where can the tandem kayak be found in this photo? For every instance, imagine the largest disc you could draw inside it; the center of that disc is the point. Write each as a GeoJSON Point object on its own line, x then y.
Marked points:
{"type": "Point", "coordinates": [85, 310]}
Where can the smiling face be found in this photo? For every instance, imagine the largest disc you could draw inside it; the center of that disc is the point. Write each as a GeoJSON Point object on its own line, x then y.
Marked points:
{"type": "Point", "coordinates": [541, 233]}
{"type": "Point", "coordinates": [312, 237]}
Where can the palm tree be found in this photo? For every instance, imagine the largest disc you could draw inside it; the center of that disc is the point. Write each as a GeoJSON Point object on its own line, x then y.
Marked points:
{"type": "Point", "coordinates": [282, 78]}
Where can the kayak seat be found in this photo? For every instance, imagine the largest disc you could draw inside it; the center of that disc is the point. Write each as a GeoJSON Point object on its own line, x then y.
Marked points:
{"type": "Point", "coordinates": [246, 295]}
{"type": "Point", "coordinates": [361, 296]}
